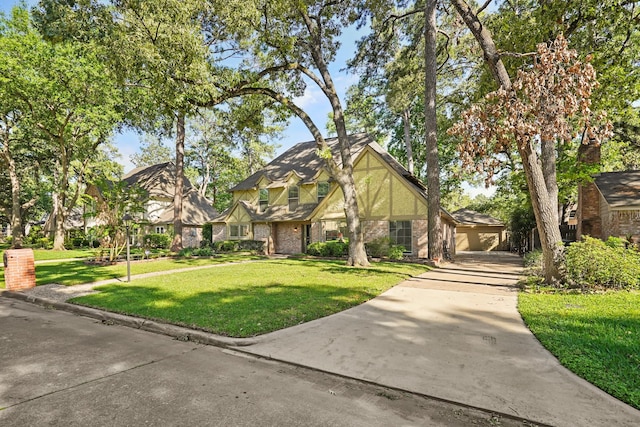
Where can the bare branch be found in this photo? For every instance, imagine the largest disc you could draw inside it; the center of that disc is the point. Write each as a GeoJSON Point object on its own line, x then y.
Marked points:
{"type": "Point", "coordinates": [483, 7]}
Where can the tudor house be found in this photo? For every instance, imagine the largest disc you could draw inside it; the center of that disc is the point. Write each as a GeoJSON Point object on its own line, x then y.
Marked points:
{"type": "Point", "coordinates": [158, 184]}
{"type": "Point", "coordinates": [293, 201]}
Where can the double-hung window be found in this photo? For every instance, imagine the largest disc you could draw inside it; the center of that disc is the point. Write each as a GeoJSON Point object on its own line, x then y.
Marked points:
{"type": "Point", "coordinates": [294, 197]}
{"type": "Point", "coordinates": [264, 199]}
{"type": "Point", "coordinates": [400, 234]}
{"type": "Point", "coordinates": [238, 231]}
{"type": "Point", "coordinates": [323, 190]}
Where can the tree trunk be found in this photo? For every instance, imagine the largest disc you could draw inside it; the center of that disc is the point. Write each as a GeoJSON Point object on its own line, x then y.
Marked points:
{"type": "Point", "coordinates": [344, 176]}
{"type": "Point", "coordinates": [176, 244]}
{"type": "Point", "coordinates": [16, 209]}
{"type": "Point", "coordinates": [546, 217]}
{"type": "Point", "coordinates": [431, 138]}
{"type": "Point", "coordinates": [61, 182]}
{"type": "Point", "coordinates": [406, 122]}
{"type": "Point", "coordinates": [548, 160]}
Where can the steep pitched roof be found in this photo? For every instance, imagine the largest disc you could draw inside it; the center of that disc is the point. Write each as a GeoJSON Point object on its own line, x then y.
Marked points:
{"type": "Point", "coordinates": [621, 190]}
{"type": "Point", "coordinates": [303, 159]}
{"type": "Point", "coordinates": [159, 182]}
{"type": "Point", "coordinates": [469, 217]}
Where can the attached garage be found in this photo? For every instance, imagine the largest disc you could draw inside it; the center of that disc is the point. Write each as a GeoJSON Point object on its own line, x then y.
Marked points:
{"type": "Point", "coordinates": [479, 232]}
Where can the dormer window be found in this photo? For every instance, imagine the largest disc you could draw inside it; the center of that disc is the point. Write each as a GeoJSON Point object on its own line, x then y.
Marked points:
{"type": "Point", "coordinates": [294, 197]}
{"type": "Point", "coordinates": [264, 199]}
{"type": "Point", "coordinates": [323, 190]}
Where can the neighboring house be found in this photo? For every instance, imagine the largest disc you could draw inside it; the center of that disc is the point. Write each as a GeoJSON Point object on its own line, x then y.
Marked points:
{"type": "Point", "coordinates": [476, 231]}
{"type": "Point", "coordinates": [158, 183]}
{"type": "Point", "coordinates": [610, 206]}
{"type": "Point", "coordinates": [293, 201]}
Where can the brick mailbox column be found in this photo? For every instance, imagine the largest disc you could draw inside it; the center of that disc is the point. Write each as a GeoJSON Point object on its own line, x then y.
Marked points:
{"type": "Point", "coordinates": [19, 269]}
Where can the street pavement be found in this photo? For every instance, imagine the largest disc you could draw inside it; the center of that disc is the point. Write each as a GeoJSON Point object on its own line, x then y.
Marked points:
{"type": "Point", "coordinates": [61, 369]}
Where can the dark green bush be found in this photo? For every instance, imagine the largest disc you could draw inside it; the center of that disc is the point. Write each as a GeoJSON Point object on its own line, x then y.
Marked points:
{"type": "Point", "coordinates": [238, 245]}
{"type": "Point", "coordinates": [333, 248]}
{"type": "Point", "coordinates": [396, 252]}
{"type": "Point", "coordinates": [207, 232]}
{"type": "Point", "coordinates": [593, 263]}
{"type": "Point", "coordinates": [186, 252]}
{"type": "Point", "coordinates": [378, 248]}
{"type": "Point", "coordinates": [157, 241]}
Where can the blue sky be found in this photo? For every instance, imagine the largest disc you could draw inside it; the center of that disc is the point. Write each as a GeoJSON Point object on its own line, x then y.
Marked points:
{"type": "Point", "coordinates": [313, 101]}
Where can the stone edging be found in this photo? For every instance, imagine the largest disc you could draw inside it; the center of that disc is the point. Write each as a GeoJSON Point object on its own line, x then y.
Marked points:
{"type": "Point", "coordinates": [177, 332]}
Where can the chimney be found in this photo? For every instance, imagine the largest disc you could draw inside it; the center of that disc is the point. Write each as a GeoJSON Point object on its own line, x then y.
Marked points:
{"type": "Point", "coordinates": [588, 214]}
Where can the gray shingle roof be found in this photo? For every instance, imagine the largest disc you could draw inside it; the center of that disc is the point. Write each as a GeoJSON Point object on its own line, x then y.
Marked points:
{"type": "Point", "coordinates": [621, 190]}
{"type": "Point", "coordinates": [158, 181]}
{"type": "Point", "coordinates": [469, 217]}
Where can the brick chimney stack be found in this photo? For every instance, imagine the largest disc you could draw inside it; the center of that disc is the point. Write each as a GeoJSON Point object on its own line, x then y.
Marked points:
{"type": "Point", "coordinates": [588, 215]}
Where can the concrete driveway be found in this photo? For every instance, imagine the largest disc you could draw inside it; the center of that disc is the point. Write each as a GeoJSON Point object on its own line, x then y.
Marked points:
{"type": "Point", "coordinates": [453, 333]}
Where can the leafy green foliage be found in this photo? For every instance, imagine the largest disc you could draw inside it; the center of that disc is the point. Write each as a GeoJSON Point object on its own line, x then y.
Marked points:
{"type": "Point", "coordinates": [382, 248]}
{"type": "Point", "coordinates": [157, 241]}
{"type": "Point", "coordinates": [597, 336]}
{"type": "Point", "coordinates": [253, 298]}
{"type": "Point", "coordinates": [333, 248]}
{"type": "Point", "coordinates": [256, 246]}
{"type": "Point", "coordinates": [593, 263]}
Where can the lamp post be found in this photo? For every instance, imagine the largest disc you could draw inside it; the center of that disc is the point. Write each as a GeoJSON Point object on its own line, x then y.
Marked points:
{"type": "Point", "coordinates": [127, 219]}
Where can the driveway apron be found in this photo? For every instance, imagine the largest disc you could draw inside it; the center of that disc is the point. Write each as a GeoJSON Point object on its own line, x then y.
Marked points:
{"type": "Point", "coordinates": [453, 333]}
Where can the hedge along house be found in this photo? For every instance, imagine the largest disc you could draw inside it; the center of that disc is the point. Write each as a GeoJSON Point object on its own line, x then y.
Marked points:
{"type": "Point", "coordinates": [293, 202]}
{"type": "Point", "coordinates": [610, 206]}
{"type": "Point", "coordinates": [479, 232]}
{"type": "Point", "coordinates": [158, 184]}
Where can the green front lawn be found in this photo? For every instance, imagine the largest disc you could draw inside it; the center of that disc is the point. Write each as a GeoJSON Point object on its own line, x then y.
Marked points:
{"type": "Point", "coordinates": [597, 336]}
{"type": "Point", "coordinates": [77, 272]}
{"type": "Point", "coordinates": [251, 299]}
{"type": "Point", "coordinates": [47, 254]}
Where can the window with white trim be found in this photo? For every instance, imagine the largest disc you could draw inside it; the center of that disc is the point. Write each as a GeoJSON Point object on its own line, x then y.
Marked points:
{"type": "Point", "coordinates": [238, 231]}
{"type": "Point", "coordinates": [159, 229]}
{"type": "Point", "coordinates": [294, 197]}
{"type": "Point", "coordinates": [263, 199]}
{"type": "Point", "coordinates": [323, 190]}
{"type": "Point", "coordinates": [400, 234]}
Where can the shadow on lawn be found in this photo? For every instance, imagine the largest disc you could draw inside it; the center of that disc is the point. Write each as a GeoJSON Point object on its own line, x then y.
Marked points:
{"type": "Point", "coordinates": [340, 267]}
{"type": "Point", "coordinates": [240, 311]}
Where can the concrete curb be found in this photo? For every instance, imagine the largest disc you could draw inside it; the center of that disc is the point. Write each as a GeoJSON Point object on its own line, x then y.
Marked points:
{"type": "Point", "coordinates": [177, 332]}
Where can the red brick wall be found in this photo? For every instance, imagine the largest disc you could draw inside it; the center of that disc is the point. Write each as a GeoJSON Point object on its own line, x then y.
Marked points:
{"type": "Point", "coordinates": [588, 215]}
{"type": "Point", "coordinates": [20, 271]}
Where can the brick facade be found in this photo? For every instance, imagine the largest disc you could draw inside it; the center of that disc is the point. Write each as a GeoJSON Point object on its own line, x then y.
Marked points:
{"type": "Point", "coordinates": [288, 237]}
{"type": "Point", "coordinates": [375, 230]}
{"type": "Point", "coordinates": [218, 232]}
{"type": "Point", "coordinates": [191, 237]}
{"type": "Point", "coordinates": [20, 270]}
{"type": "Point", "coordinates": [589, 212]}
{"type": "Point", "coordinates": [262, 232]}
{"type": "Point", "coordinates": [622, 223]}
{"type": "Point", "coordinates": [419, 238]}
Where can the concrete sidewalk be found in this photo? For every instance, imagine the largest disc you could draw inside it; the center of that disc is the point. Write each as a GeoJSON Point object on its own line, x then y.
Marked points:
{"type": "Point", "coordinates": [453, 333]}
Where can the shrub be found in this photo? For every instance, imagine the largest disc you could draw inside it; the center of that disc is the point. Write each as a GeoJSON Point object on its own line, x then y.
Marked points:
{"type": "Point", "coordinates": [237, 245]}
{"type": "Point", "coordinates": [594, 263]}
{"type": "Point", "coordinates": [333, 248]}
{"type": "Point", "coordinates": [186, 252]}
{"type": "Point", "coordinates": [396, 252]}
{"type": "Point", "coordinates": [157, 241]}
{"type": "Point", "coordinates": [207, 233]}
{"type": "Point", "coordinates": [379, 247]}
{"type": "Point", "coordinates": [44, 243]}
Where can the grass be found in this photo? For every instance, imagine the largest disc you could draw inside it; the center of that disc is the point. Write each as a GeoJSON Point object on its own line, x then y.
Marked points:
{"type": "Point", "coordinates": [47, 254]}
{"type": "Point", "coordinates": [251, 299]}
{"type": "Point", "coordinates": [77, 272]}
{"type": "Point", "coordinates": [597, 336]}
